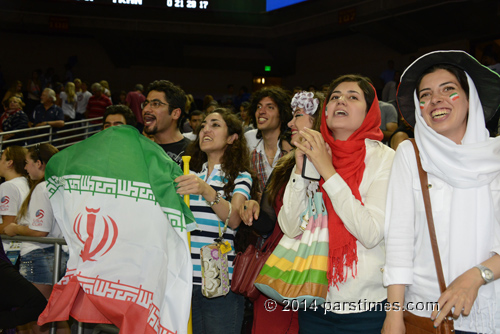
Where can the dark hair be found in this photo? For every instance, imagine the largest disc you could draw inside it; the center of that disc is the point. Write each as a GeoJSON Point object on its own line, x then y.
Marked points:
{"type": "Point", "coordinates": [195, 113]}
{"type": "Point", "coordinates": [245, 105]}
{"type": "Point", "coordinates": [489, 52]}
{"type": "Point", "coordinates": [456, 71]}
{"type": "Point", "coordinates": [363, 82]}
{"type": "Point", "coordinates": [13, 87]}
{"type": "Point", "coordinates": [122, 110]}
{"type": "Point", "coordinates": [42, 152]}
{"type": "Point", "coordinates": [282, 100]}
{"type": "Point", "coordinates": [175, 96]}
{"type": "Point", "coordinates": [206, 100]}
{"type": "Point", "coordinates": [235, 159]}
{"type": "Point", "coordinates": [311, 86]}
{"type": "Point", "coordinates": [212, 103]}
{"type": "Point", "coordinates": [18, 156]}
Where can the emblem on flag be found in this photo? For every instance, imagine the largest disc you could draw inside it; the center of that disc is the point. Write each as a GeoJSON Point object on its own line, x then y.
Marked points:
{"type": "Point", "coordinates": [105, 240]}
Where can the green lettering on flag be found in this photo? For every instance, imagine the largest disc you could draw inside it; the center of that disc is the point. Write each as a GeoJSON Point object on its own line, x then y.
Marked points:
{"type": "Point", "coordinates": [120, 162]}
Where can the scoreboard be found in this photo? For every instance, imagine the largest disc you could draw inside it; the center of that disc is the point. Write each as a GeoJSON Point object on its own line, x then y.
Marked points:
{"type": "Point", "coordinates": [200, 5]}
{"type": "Point", "coordinates": [215, 5]}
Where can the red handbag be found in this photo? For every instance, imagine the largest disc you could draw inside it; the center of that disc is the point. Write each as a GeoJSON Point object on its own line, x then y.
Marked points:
{"type": "Point", "coordinates": [247, 265]}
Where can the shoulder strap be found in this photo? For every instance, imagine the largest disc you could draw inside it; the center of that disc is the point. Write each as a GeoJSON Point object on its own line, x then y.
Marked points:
{"type": "Point", "coordinates": [424, 184]}
{"type": "Point", "coordinates": [273, 240]}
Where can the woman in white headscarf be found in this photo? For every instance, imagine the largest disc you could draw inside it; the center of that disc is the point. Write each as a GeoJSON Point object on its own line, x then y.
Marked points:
{"type": "Point", "coordinates": [447, 96]}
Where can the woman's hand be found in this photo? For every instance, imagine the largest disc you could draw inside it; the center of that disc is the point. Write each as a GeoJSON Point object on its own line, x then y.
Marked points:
{"type": "Point", "coordinates": [394, 323]}
{"type": "Point", "coordinates": [460, 295]}
{"type": "Point", "coordinates": [193, 185]}
{"type": "Point", "coordinates": [317, 151]}
{"type": "Point", "coordinates": [10, 230]}
{"type": "Point", "coordinates": [249, 211]}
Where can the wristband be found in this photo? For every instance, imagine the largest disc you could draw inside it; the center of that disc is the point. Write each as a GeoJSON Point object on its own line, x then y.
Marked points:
{"type": "Point", "coordinates": [216, 200]}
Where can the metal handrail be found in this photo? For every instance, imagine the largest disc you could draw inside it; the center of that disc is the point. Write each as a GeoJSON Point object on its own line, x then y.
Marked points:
{"type": "Point", "coordinates": [23, 135]}
{"type": "Point", "coordinates": [57, 242]}
{"type": "Point", "coordinates": [41, 240]}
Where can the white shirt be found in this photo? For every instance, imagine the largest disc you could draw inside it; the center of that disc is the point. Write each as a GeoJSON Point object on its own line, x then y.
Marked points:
{"type": "Point", "coordinates": [82, 99]}
{"type": "Point", "coordinates": [364, 222]}
{"type": "Point", "coordinates": [40, 217]}
{"type": "Point", "coordinates": [252, 141]}
{"type": "Point", "coordinates": [12, 195]}
{"type": "Point", "coordinates": [190, 135]}
{"type": "Point", "coordinates": [409, 258]}
{"type": "Point", "coordinates": [68, 108]}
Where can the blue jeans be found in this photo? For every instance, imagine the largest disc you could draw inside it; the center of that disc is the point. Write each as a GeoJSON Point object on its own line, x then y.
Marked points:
{"type": "Point", "coordinates": [319, 321]}
{"type": "Point", "coordinates": [217, 315]}
{"type": "Point", "coordinates": [37, 266]}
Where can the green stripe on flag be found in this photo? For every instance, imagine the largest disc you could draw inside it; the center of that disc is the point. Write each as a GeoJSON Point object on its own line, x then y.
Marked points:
{"type": "Point", "coordinates": [120, 153]}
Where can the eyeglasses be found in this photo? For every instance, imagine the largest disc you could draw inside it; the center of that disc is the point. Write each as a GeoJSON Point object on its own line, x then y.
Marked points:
{"type": "Point", "coordinates": [155, 104]}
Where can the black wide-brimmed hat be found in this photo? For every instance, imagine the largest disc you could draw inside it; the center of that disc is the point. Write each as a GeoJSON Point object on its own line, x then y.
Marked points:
{"type": "Point", "coordinates": [487, 82]}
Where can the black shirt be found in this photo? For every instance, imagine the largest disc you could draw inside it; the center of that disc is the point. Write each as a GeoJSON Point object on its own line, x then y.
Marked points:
{"type": "Point", "coordinates": [176, 150]}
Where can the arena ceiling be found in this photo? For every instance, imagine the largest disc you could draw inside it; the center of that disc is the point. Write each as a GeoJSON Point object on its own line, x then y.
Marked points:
{"type": "Point", "coordinates": [148, 35]}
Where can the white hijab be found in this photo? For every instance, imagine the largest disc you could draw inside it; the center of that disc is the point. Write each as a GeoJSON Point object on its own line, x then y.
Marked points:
{"type": "Point", "coordinates": [469, 168]}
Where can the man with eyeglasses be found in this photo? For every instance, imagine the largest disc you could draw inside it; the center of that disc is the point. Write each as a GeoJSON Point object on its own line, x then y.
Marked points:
{"type": "Point", "coordinates": [161, 112]}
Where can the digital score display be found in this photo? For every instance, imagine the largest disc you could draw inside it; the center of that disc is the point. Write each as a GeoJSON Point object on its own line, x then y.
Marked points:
{"type": "Point", "coordinates": [188, 4]}
{"type": "Point", "coordinates": [249, 6]}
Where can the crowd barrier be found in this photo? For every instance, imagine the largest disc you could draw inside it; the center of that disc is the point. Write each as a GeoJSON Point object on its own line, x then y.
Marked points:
{"type": "Point", "coordinates": [72, 132]}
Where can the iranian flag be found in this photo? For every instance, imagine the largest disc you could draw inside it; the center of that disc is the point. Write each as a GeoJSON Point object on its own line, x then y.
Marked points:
{"type": "Point", "coordinates": [129, 264]}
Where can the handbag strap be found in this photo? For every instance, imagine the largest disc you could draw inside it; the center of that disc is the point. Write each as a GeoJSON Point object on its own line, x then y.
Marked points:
{"type": "Point", "coordinates": [424, 184]}
{"type": "Point", "coordinates": [221, 233]}
{"type": "Point", "coordinates": [273, 240]}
